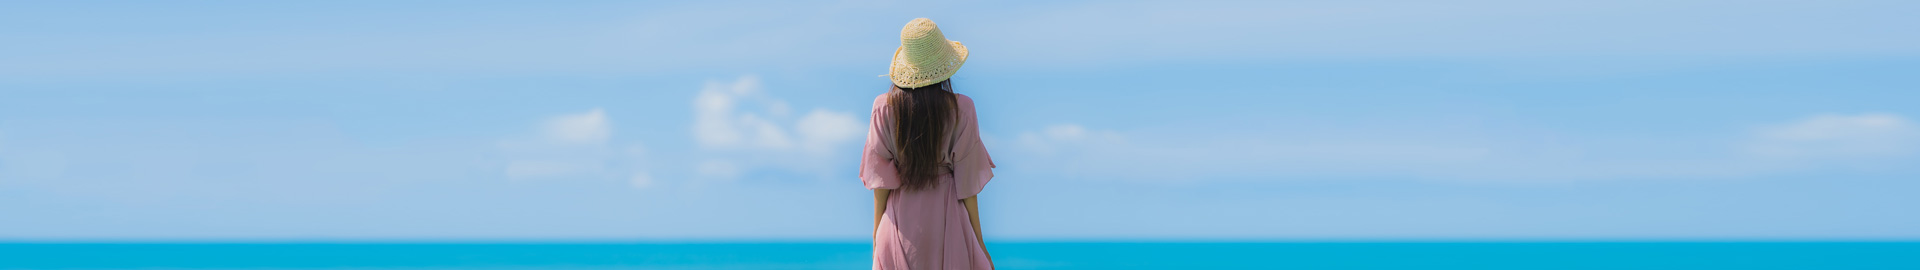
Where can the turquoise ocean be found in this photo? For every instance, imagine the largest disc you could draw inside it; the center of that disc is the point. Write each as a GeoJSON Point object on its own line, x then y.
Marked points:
{"type": "Point", "coordinates": [1084, 255]}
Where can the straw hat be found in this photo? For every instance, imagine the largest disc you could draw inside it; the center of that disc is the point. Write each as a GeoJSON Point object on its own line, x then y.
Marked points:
{"type": "Point", "coordinates": [925, 56]}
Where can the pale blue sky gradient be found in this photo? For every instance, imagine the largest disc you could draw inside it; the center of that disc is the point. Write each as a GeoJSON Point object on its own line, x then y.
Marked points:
{"type": "Point", "coordinates": [465, 120]}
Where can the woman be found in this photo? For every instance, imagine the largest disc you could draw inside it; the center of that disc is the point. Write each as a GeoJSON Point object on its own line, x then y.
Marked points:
{"type": "Point", "coordinates": [924, 160]}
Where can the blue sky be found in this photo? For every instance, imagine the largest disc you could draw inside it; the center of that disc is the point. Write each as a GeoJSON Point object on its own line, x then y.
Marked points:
{"type": "Point", "coordinates": [1277, 120]}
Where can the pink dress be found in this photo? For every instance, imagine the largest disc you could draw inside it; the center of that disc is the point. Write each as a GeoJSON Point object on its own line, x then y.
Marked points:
{"type": "Point", "coordinates": [927, 228]}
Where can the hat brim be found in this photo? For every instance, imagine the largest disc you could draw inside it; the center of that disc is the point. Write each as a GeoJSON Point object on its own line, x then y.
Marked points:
{"type": "Point", "coordinates": [894, 72]}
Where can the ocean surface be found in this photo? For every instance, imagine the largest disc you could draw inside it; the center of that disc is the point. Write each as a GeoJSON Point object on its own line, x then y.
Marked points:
{"type": "Point", "coordinates": [1361, 255]}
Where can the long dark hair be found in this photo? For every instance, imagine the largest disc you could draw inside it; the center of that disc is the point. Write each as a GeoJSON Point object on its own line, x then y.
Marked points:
{"type": "Point", "coordinates": [921, 119]}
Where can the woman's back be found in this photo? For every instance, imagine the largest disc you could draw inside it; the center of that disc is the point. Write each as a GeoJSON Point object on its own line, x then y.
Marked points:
{"type": "Point", "coordinates": [928, 227]}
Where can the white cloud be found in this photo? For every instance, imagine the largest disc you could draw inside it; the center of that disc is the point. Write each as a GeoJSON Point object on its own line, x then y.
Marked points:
{"type": "Point", "coordinates": [738, 117]}
{"type": "Point", "coordinates": [575, 145]}
{"type": "Point", "coordinates": [1066, 132]}
{"type": "Point", "coordinates": [822, 128]}
{"type": "Point", "coordinates": [588, 127]}
{"type": "Point", "coordinates": [1080, 151]}
{"type": "Point", "coordinates": [713, 123]}
{"type": "Point", "coordinates": [1838, 136]}
{"type": "Point", "coordinates": [640, 179]}
{"type": "Point", "coordinates": [1818, 142]}
{"type": "Point", "coordinates": [723, 118]}
{"type": "Point", "coordinates": [1054, 138]}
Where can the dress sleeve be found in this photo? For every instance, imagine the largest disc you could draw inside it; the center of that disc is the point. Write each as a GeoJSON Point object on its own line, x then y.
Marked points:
{"type": "Point", "coordinates": [876, 160]}
{"type": "Point", "coordinates": [972, 167]}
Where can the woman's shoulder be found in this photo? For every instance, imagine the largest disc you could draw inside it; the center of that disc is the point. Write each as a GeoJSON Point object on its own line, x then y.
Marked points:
{"type": "Point", "coordinates": [964, 105]}
{"type": "Point", "coordinates": [964, 100]}
{"type": "Point", "coordinates": [881, 100]}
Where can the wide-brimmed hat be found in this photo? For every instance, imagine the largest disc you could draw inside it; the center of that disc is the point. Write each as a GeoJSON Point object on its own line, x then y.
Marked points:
{"type": "Point", "coordinates": [925, 56]}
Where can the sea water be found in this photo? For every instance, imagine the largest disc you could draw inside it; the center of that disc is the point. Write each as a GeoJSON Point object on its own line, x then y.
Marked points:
{"type": "Point", "coordinates": [1161, 255]}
